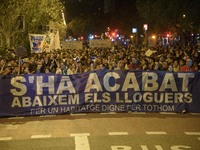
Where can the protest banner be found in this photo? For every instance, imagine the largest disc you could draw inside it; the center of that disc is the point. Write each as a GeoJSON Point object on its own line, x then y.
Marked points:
{"type": "Point", "coordinates": [37, 42]}
{"type": "Point", "coordinates": [99, 91]}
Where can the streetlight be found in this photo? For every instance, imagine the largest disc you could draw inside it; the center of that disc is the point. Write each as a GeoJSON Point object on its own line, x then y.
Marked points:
{"type": "Point", "coordinates": [152, 40]}
{"type": "Point", "coordinates": [145, 28]}
{"type": "Point", "coordinates": [153, 37]}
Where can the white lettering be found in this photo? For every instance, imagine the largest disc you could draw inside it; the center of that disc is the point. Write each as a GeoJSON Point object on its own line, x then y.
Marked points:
{"type": "Point", "coordinates": [26, 101]}
{"type": "Point", "coordinates": [93, 83]}
{"type": "Point", "coordinates": [106, 80]}
{"type": "Point", "coordinates": [149, 81]}
{"type": "Point", "coordinates": [49, 85]}
{"type": "Point", "coordinates": [37, 101]}
{"type": "Point", "coordinates": [21, 88]}
{"type": "Point", "coordinates": [185, 77]}
{"type": "Point", "coordinates": [168, 83]}
{"type": "Point", "coordinates": [16, 102]}
{"type": "Point", "coordinates": [130, 82]}
{"type": "Point", "coordinates": [62, 87]}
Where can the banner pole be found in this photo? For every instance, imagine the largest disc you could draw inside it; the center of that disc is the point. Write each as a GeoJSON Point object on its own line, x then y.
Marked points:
{"type": "Point", "coordinates": [19, 66]}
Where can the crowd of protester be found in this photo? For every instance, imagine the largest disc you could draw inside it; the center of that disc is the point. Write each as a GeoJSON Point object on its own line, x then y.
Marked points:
{"type": "Point", "coordinates": [68, 62]}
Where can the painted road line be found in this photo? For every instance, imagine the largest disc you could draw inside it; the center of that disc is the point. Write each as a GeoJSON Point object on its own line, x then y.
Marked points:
{"type": "Point", "coordinates": [48, 116]}
{"type": "Point", "coordinates": [40, 136]}
{"type": "Point", "coordinates": [121, 147]}
{"type": "Point", "coordinates": [118, 133]}
{"type": "Point", "coordinates": [192, 133]}
{"type": "Point", "coordinates": [81, 141]}
{"type": "Point", "coordinates": [10, 127]}
{"type": "Point", "coordinates": [138, 113]}
{"type": "Point", "coordinates": [5, 138]}
{"type": "Point", "coordinates": [168, 113]}
{"type": "Point", "coordinates": [108, 113]}
{"type": "Point", "coordinates": [158, 147]}
{"type": "Point", "coordinates": [195, 114]}
{"type": "Point", "coordinates": [81, 114]}
{"type": "Point", "coordinates": [16, 118]}
{"type": "Point", "coordinates": [156, 133]}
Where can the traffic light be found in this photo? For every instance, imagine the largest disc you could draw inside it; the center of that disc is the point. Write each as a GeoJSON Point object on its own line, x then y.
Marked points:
{"type": "Point", "coordinates": [145, 27]}
{"type": "Point", "coordinates": [168, 35]}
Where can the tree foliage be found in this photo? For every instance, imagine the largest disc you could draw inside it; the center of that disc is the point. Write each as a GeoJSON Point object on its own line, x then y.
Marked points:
{"type": "Point", "coordinates": [176, 16]}
{"type": "Point", "coordinates": [92, 16]}
{"type": "Point", "coordinates": [20, 17]}
{"type": "Point", "coordinates": [84, 17]}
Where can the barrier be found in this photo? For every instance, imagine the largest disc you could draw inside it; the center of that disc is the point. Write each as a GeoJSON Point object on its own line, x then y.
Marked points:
{"type": "Point", "coordinates": [99, 91]}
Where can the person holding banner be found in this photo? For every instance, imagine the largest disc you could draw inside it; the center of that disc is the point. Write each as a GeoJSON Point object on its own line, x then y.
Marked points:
{"type": "Point", "coordinates": [2, 65]}
{"type": "Point", "coordinates": [188, 67]}
{"type": "Point", "coordinates": [120, 65]}
{"type": "Point", "coordinates": [176, 66]}
{"type": "Point", "coordinates": [134, 64]}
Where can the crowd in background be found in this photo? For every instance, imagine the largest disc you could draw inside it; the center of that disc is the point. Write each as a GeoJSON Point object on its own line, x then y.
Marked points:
{"type": "Point", "coordinates": [68, 62]}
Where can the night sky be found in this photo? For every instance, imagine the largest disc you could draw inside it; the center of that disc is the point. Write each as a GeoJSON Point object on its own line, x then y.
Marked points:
{"type": "Point", "coordinates": [116, 13]}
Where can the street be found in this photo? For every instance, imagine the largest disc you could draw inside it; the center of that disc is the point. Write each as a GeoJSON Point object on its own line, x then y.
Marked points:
{"type": "Point", "coordinates": [102, 131]}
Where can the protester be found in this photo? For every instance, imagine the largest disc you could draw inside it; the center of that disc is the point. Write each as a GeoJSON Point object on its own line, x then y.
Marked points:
{"type": "Point", "coordinates": [68, 62]}
{"type": "Point", "coordinates": [120, 65]}
{"type": "Point", "coordinates": [176, 66]}
{"type": "Point", "coordinates": [134, 64]}
{"type": "Point", "coordinates": [188, 67]}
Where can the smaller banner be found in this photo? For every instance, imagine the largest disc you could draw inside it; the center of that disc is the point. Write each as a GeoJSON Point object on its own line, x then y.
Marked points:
{"type": "Point", "coordinates": [100, 43]}
{"type": "Point", "coordinates": [56, 40]}
{"type": "Point", "coordinates": [47, 43]}
{"type": "Point", "coordinates": [37, 42]}
{"type": "Point", "coordinates": [72, 45]}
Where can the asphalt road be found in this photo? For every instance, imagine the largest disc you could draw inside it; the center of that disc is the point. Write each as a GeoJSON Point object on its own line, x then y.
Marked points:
{"type": "Point", "coordinates": [95, 131]}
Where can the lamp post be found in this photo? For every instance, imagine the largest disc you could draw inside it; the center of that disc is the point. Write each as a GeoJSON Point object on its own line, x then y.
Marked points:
{"type": "Point", "coordinates": [145, 28]}
{"type": "Point", "coordinates": [134, 36]}
{"type": "Point", "coordinates": [184, 29]}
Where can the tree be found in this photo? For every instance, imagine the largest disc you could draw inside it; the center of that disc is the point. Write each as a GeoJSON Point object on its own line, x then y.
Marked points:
{"type": "Point", "coordinates": [20, 17]}
{"type": "Point", "coordinates": [84, 17]}
{"type": "Point", "coordinates": [176, 16]}
{"type": "Point", "coordinates": [94, 16]}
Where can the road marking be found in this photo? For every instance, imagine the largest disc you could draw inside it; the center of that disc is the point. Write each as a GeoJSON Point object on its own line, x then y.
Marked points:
{"type": "Point", "coordinates": [121, 147]}
{"type": "Point", "coordinates": [40, 136]}
{"type": "Point", "coordinates": [156, 133]}
{"type": "Point", "coordinates": [118, 133]}
{"type": "Point", "coordinates": [47, 116]}
{"type": "Point", "coordinates": [168, 113]}
{"type": "Point", "coordinates": [108, 113]}
{"type": "Point", "coordinates": [158, 147]}
{"type": "Point", "coordinates": [10, 126]}
{"type": "Point", "coordinates": [81, 114]}
{"type": "Point", "coordinates": [5, 138]}
{"type": "Point", "coordinates": [81, 141]}
{"type": "Point", "coordinates": [16, 118]}
{"type": "Point", "coordinates": [195, 114]}
{"type": "Point", "coordinates": [192, 133]}
{"type": "Point", "coordinates": [138, 113]}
